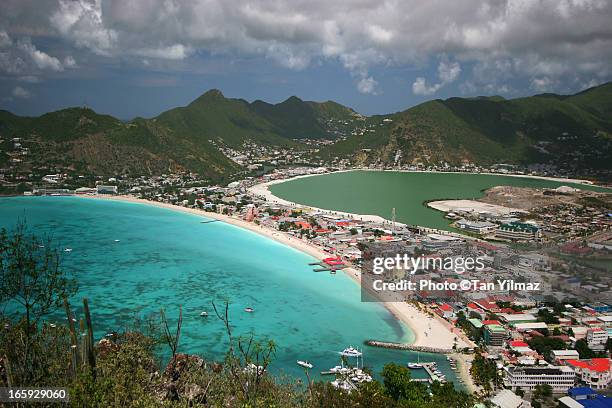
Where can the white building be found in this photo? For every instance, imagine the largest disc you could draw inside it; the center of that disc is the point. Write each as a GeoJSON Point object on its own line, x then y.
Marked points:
{"type": "Point", "coordinates": [476, 227]}
{"type": "Point", "coordinates": [560, 378]}
{"type": "Point", "coordinates": [102, 189]}
{"type": "Point", "coordinates": [596, 373]}
{"type": "Point", "coordinates": [597, 338]}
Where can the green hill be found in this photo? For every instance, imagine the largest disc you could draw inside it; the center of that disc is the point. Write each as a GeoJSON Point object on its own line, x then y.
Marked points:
{"type": "Point", "coordinates": [572, 129]}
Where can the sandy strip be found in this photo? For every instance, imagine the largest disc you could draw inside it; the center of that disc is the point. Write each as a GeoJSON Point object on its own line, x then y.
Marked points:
{"type": "Point", "coordinates": [472, 206]}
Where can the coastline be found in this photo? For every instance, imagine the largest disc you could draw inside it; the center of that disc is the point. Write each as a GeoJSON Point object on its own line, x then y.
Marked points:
{"type": "Point", "coordinates": [426, 331]}
{"type": "Point", "coordinates": [263, 190]}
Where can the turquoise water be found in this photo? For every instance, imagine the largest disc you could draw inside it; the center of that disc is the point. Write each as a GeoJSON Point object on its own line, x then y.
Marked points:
{"type": "Point", "coordinates": [377, 192]}
{"type": "Point", "coordinates": [166, 259]}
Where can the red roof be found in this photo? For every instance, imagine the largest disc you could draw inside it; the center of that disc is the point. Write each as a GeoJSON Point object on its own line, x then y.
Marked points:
{"type": "Point", "coordinates": [446, 307]}
{"type": "Point", "coordinates": [599, 365]}
{"type": "Point", "coordinates": [518, 343]}
{"type": "Point", "coordinates": [342, 223]}
{"type": "Point", "coordinates": [472, 306]}
{"type": "Point", "coordinates": [303, 224]}
{"type": "Point", "coordinates": [485, 322]}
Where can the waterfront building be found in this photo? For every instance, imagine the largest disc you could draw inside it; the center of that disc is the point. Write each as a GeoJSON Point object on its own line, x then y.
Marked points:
{"type": "Point", "coordinates": [596, 372]}
{"type": "Point", "coordinates": [518, 231]}
{"type": "Point", "coordinates": [477, 227]}
{"type": "Point", "coordinates": [103, 189]}
{"type": "Point", "coordinates": [560, 378]}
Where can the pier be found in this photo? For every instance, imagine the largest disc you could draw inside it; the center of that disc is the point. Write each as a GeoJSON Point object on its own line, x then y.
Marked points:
{"type": "Point", "coordinates": [409, 347]}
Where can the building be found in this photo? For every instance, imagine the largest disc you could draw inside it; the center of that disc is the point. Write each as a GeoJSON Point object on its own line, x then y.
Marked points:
{"type": "Point", "coordinates": [597, 338]}
{"type": "Point", "coordinates": [508, 399]}
{"type": "Point", "coordinates": [494, 335]}
{"type": "Point", "coordinates": [596, 373]}
{"type": "Point", "coordinates": [560, 378]}
{"type": "Point", "coordinates": [476, 227]}
{"type": "Point", "coordinates": [584, 397]}
{"type": "Point", "coordinates": [563, 355]}
{"type": "Point", "coordinates": [518, 231]}
{"type": "Point", "coordinates": [102, 189]}
{"type": "Point", "coordinates": [445, 311]}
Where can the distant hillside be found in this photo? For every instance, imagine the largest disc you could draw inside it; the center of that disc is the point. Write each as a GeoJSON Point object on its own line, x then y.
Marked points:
{"type": "Point", "coordinates": [572, 129]}
{"type": "Point", "coordinates": [185, 138]}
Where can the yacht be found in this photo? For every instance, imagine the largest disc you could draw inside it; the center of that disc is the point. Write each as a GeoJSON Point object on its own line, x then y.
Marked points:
{"type": "Point", "coordinates": [415, 365]}
{"type": "Point", "coordinates": [67, 249]}
{"type": "Point", "coordinates": [117, 240]}
{"type": "Point", "coordinates": [351, 352]}
{"type": "Point", "coordinates": [341, 384]}
{"type": "Point", "coordinates": [204, 314]}
{"type": "Point", "coordinates": [249, 309]}
{"type": "Point", "coordinates": [304, 364]}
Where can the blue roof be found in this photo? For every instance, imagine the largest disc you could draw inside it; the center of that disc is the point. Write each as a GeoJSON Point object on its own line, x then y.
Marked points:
{"type": "Point", "coordinates": [576, 391]}
{"type": "Point", "coordinates": [598, 402]}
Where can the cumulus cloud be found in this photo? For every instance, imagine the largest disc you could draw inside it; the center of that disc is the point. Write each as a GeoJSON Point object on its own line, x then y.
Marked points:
{"type": "Point", "coordinates": [367, 85]}
{"type": "Point", "coordinates": [528, 40]}
{"type": "Point", "coordinates": [447, 72]}
{"type": "Point", "coordinates": [21, 93]}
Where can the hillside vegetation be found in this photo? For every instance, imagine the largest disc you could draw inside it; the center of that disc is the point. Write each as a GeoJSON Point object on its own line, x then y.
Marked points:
{"type": "Point", "coordinates": [571, 130]}
{"type": "Point", "coordinates": [544, 128]}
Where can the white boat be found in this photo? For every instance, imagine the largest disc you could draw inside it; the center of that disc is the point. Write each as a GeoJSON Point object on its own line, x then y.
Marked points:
{"type": "Point", "coordinates": [249, 309]}
{"type": "Point", "coordinates": [117, 240]}
{"type": "Point", "coordinates": [351, 352]}
{"type": "Point", "coordinates": [341, 384]}
{"type": "Point", "coordinates": [67, 249]}
{"type": "Point", "coordinates": [204, 314]}
{"type": "Point", "coordinates": [304, 364]}
{"type": "Point", "coordinates": [415, 365]}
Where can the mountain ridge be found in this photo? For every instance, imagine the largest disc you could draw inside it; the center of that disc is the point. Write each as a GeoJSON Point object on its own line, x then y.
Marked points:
{"type": "Point", "coordinates": [482, 130]}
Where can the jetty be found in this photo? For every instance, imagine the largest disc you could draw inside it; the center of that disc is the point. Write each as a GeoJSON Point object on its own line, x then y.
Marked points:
{"type": "Point", "coordinates": [410, 347]}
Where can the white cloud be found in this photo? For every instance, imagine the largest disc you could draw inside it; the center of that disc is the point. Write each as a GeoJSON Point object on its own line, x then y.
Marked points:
{"type": "Point", "coordinates": [41, 59]}
{"type": "Point", "coordinates": [447, 72]}
{"type": "Point", "coordinates": [172, 52]}
{"type": "Point", "coordinates": [420, 87]}
{"type": "Point", "coordinates": [367, 85]}
{"type": "Point", "coordinates": [20, 92]}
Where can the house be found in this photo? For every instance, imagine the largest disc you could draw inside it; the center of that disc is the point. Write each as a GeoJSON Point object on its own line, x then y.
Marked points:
{"type": "Point", "coordinates": [518, 231]}
{"type": "Point", "coordinates": [596, 372]}
{"type": "Point", "coordinates": [446, 311]}
{"type": "Point", "coordinates": [477, 227]}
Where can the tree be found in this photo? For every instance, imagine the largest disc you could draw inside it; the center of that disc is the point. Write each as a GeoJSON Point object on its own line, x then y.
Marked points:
{"type": "Point", "coordinates": [398, 385]}
{"type": "Point", "coordinates": [31, 276]}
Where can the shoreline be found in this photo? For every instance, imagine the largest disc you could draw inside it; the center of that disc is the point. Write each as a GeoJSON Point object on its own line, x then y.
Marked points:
{"type": "Point", "coordinates": [426, 331]}
{"type": "Point", "coordinates": [263, 190]}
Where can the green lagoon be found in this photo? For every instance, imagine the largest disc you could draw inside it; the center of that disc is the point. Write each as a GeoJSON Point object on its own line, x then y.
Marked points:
{"type": "Point", "coordinates": [378, 192]}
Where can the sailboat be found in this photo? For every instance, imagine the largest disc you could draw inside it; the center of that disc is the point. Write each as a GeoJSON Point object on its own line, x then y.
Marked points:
{"type": "Point", "coordinates": [417, 364]}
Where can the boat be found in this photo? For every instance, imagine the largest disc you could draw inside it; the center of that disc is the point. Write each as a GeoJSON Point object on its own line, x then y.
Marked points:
{"type": "Point", "coordinates": [249, 309]}
{"type": "Point", "coordinates": [67, 249]}
{"type": "Point", "coordinates": [117, 240]}
{"type": "Point", "coordinates": [52, 325]}
{"type": "Point", "coordinates": [304, 364]}
{"type": "Point", "coordinates": [417, 364]}
{"type": "Point", "coordinates": [204, 314]}
{"type": "Point", "coordinates": [351, 352]}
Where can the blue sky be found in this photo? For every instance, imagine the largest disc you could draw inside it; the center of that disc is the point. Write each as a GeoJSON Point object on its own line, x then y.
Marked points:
{"type": "Point", "coordinates": [142, 57]}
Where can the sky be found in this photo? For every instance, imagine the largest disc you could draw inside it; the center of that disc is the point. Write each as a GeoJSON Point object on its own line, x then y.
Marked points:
{"type": "Point", "coordinates": [141, 57]}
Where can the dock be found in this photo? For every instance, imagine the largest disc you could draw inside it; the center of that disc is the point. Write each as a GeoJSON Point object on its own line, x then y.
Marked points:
{"type": "Point", "coordinates": [409, 347]}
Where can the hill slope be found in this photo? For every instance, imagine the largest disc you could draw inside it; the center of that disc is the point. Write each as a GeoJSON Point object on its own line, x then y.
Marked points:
{"type": "Point", "coordinates": [543, 128]}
